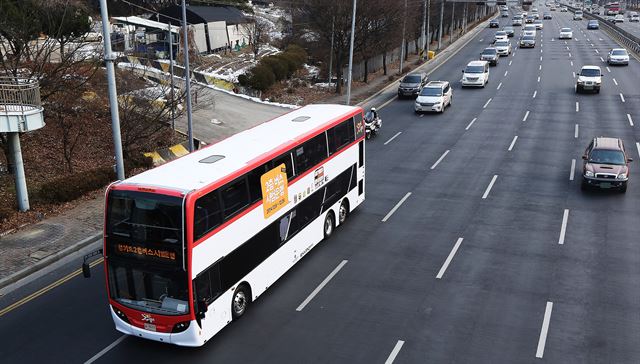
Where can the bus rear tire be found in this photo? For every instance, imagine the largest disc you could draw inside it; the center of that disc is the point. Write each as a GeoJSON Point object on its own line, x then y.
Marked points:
{"type": "Point", "coordinates": [240, 301]}
{"type": "Point", "coordinates": [329, 224]}
{"type": "Point", "coordinates": [343, 212]}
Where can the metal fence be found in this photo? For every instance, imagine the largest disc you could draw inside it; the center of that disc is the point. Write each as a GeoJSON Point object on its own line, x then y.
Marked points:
{"type": "Point", "coordinates": [19, 94]}
{"type": "Point", "coordinates": [630, 41]}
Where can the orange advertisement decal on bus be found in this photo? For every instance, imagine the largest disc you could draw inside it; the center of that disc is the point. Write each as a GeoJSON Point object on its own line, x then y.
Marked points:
{"type": "Point", "coordinates": [275, 194]}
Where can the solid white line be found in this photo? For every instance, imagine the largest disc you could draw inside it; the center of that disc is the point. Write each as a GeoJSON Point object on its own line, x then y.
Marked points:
{"type": "Point", "coordinates": [388, 102]}
{"type": "Point", "coordinates": [487, 103]}
{"type": "Point", "coordinates": [575, 133]}
{"type": "Point", "coordinates": [449, 258]}
{"type": "Point", "coordinates": [105, 350]}
{"type": "Point", "coordinates": [393, 137]}
{"type": "Point", "coordinates": [538, 78]}
{"type": "Point", "coordinates": [630, 120]}
{"type": "Point", "coordinates": [394, 352]}
{"type": "Point", "coordinates": [621, 97]}
{"type": "Point", "coordinates": [513, 143]}
{"type": "Point", "coordinates": [510, 63]}
{"type": "Point", "coordinates": [321, 285]}
{"type": "Point", "coordinates": [601, 59]}
{"type": "Point", "coordinates": [535, 93]}
{"type": "Point", "coordinates": [526, 115]}
{"type": "Point", "coordinates": [440, 159]}
{"type": "Point", "coordinates": [499, 85]}
{"type": "Point", "coordinates": [577, 106]}
{"type": "Point", "coordinates": [505, 73]}
{"type": "Point", "coordinates": [573, 170]}
{"type": "Point", "coordinates": [563, 229]}
{"type": "Point", "coordinates": [608, 70]}
{"type": "Point", "coordinates": [544, 330]}
{"type": "Point", "coordinates": [397, 206]}
{"type": "Point", "coordinates": [471, 123]}
{"type": "Point", "coordinates": [486, 192]}
{"type": "Point", "coordinates": [616, 82]}
{"type": "Point", "coordinates": [638, 147]}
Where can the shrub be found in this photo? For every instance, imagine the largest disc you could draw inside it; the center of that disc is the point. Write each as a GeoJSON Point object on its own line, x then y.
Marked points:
{"type": "Point", "coordinates": [243, 80]}
{"type": "Point", "coordinates": [261, 77]}
{"type": "Point", "coordinates": [72, 186]}
{"type": "Point", "coordinates": [279, 66]}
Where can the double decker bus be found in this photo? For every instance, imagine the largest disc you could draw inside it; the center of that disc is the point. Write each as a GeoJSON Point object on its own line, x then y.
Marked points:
{"type": "Point", "coordinates": [190, 244]}
{"type": "Point", "coordinates": [612, 8]}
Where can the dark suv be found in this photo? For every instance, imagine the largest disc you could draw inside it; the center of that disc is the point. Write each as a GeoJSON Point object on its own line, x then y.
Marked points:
{"type": "Point", "coordinates": [411, 84]}
{"type": "Point", "coordinates": [606, 164]}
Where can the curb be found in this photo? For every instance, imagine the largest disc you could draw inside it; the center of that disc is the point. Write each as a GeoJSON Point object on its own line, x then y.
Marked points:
{"type": "Point", "coordinates": [4, 282]}
{"type": "Point", "coordinates": [470, 34]}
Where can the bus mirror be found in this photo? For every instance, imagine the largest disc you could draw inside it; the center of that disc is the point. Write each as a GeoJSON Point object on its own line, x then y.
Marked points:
{"type": "Point", "coordinates": [203, 307]}
{"type": "Point", "coordinates": [86, 270]}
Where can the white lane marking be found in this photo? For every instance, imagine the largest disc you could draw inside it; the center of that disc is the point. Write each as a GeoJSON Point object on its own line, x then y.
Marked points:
{"type": "Point", "coordinates": [449, 258]}
{"type": "Point", "coordinates": [510, 63]}
{"type": "Point", "coordinates": [553, 39]}
{"type": "Point", "coordinates": [591, 43]}
{"type": "Point", "coordinates": [506, 73]}
{"type": "Point", "coordinates": [486, 192]}
{"type": "Point", "coordinates": [544, 330]}
{"type": "Point", "coordinates": [616, 82]}
{"type": "Point", "coordinates": [394, 352]}
{"type": "Point", "coordinates": [597, 51]}
{"type": "Point", "coordinates": [565, 42]}
{"type": "Point", "coordinates": [105, 350]}
{"type": "Point", "coordinates": [393, 137]}
{"type": "Point", "coordinates": [573, 170]}
{"type": "Point", "coordinates": [567, 48]}
{"type": "Point", "coordinates": [601, 59]}
{"type": "Point", "coordinates": [569, 54]}
{"type": "Point", "coordinates": [540, 67]}
{"type": "Point", "coordinates": [588, 40]}
{"type": "Point", "coordinates": [481, 39]}
{"type": "Point", "coordinates": [388, 102]}
{"type": "Point", "coordinates": [513, 142]}
{"type": "Point", "coordinates": [575, 133]}
{"type": "Point", "coordinates": [577, 106]}
{"type": "Point", "coordinates": [541, 58]}
{"type": "Point", "coordinates": [535, 93]}
{"type": "Point", "coordinates": [600, 39]}
{"type": "Point", "coordinates": [630, 120]}
{"type": "Point", "coordinates": [541, 49]}
{"type": "Point", "coordinates": [397, 206]}
{"type": "Point", "coordinates": [526, 115]}
{"type": "Point", "coordinates": [574, 75]}
{"type": "Point", "coordinates": [538, 78]}
{"type": "Point", "coordinates": [499, 85]}
{"type": "Point", "coordinates": [471, 123]}
{"type": "Point", "coordinates": [608, 70]}
{"type": "Point", "coordinates": [572, 66]}
{"type": "Point", "coordinates": [440, 159]}
{"type": "Point", "coordinates": [638, 147]}
{"type": "Point", "coordinates": [487, 103]}
{"type": "Point", "coordinates": [321, 285]}
{"type": "Point", "coordinates": [621, 97]}
{"type": "Point", "coordinates": [563, 228]}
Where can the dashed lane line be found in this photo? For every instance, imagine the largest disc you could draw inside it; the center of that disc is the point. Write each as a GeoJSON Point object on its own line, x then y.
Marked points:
{"type": "Point", "coordinates": [544, 330]}
{"type": "Point", "coordinates": [489, 187]}
{"type": "Point", "coordinates": [394, 352]}
{"type": "Point", "coordinates": [396, 207]}
{"type": "Point", "coordinates": [453, 252]}
{"type": "Point", "coordinates": [393, 137]}
{"type": "Point", "coordinates": [563, 228]}
{"type": "Point", "coordinates": [526, 115]}
{"type": "Point", "coordinates": [573, 170]}
{"type": "Point", "coordinates": [321, 285]}
{"type": "Point", "coordinates": [471, 123]}
{"type": "Point", "coordinates": [440, 159]}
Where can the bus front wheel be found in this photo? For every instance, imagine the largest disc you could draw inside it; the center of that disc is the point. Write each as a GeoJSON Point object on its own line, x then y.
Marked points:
{"type": "Point", "coordinates": [240, 302]}
{"type": "Point", "coordinates": [329, 224]}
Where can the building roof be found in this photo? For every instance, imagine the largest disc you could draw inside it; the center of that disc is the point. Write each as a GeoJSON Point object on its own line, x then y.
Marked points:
{"type": "Point", "coordinates": [146, 23]}
{"type": "Point", "coordinates": [198, 14]}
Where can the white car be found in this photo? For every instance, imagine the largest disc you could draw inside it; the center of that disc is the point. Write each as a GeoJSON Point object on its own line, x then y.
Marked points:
{"type": "Point", "coordinates": [619, 18]}
{"type": "Point", "coordinates": [565, 33]}
{"type": "Point", "coordinates": [475, 74]}
{"type": "Point", "coordinates": [618, 56]}
{"type": "Point", "coordinates": [529, 29]}
{"type": "Point", "coordinates": [577, 15]}
{"type": "Point", "coordinates": [589, 78]}
{"type": "Point", "coordinates": [503, 47]}
{"type": "Point", "coordinates": [501, 35]}
{"type": "Point", "coordinates": [517, 20]}
{"type": "Point", "coordinates": [435, 96]}
{"type": "Point", "coordinates": [563, 9]}
{"type": "Point", "coordinates": [634, 18]}
{"type": "Point", "coordinates": [538, 24]}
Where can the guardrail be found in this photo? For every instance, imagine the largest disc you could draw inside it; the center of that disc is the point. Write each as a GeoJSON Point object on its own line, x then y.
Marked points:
{"type": "Point", "coordinates": [19, 94]}
{"type": "Point", "coordinates": [630, 41]}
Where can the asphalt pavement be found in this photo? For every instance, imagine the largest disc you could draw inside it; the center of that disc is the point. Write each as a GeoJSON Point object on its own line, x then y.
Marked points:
{"type": "Point", "coordinates": [493, 254]}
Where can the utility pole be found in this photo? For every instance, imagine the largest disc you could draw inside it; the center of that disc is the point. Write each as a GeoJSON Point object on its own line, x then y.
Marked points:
{"type": "Point", "coordinates": [424, 31]}
{"type": "Point", "coordinates": [173, 111]}
{"type": "Point", "coordinates": [109, 59]}
{"type": "Point", "coordinates": [187, 76]}
{"type": "Point", "coordinates": [404, 28]}
{"type": "Point", "coordinates": [453, 22]}
{"type": "Point", "coordinates": [464, 20]}
{"type": "Point", "coordinates": [441, 19]}
{"type": "Point", "coordinates": [333, 24]}
{"type": "Point", "coordinates": [353, 31]}
{"type": "Point", "coordinates": [428, 40]}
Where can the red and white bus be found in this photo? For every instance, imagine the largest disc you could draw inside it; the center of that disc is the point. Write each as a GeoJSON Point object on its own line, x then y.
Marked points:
{"type": "Point", "coordinates": [612, 8]}
{"type": "Point", "coordinates": [190, 244]}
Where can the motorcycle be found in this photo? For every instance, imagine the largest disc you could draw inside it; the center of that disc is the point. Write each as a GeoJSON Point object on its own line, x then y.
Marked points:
{"type": "Point", "coordinates": [372, 125]}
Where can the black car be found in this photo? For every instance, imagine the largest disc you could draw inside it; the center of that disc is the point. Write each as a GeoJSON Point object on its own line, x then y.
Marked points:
{"type": "Point", "coordinates": [490, 55]}
{"type": "Point", "coordinates": [593, 24]}
{"type": "Point", "coordinates": [509, 30]}
{"type": "Point", "coordinates": [411, 84]}
{"type": "Point", "coordinates": [494, 23]}
{"type": "Point", "coordinates": [546, 16]}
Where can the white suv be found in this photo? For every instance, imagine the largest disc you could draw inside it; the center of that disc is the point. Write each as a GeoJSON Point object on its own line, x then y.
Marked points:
{"type": "Point", "coordinates": [435, 96]}
{"type": "Point", "coordinates": [475, 74]}
{"type": "Point", "coordinates": [589, 78]}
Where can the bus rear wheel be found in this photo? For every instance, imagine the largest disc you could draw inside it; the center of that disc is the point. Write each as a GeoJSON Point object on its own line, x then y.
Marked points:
{"type": "Point", "coordinates": [343, 213]}
{"type": "Point", "coordinates": [240, 301]}
{"type": "Point", "coordinates": [329, 224]}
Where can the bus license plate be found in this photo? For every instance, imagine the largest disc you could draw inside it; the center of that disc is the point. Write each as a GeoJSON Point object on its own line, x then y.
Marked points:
{"type": "Point", "coordinates": [150, 327]}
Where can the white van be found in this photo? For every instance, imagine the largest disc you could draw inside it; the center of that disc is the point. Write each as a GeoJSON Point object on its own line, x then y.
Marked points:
{"type": "Point", "coordinates": [475, 74]}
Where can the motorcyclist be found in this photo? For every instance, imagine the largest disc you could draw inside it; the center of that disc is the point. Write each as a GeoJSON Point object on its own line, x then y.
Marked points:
{"type": "Point", "coordinates": [374, 113]}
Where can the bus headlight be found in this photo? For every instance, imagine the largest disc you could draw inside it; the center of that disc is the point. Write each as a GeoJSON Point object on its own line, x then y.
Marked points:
{"type": "Point", "coordinates": [180, 327]}
{"type": "Point", "coordinates": [121, 315]}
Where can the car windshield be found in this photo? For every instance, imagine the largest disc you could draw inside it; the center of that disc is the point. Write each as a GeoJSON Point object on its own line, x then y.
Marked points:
{"type": "Point", "coordinates": [411, 79]}
{"type": "Point", "coordinates": [431, 91]}
{"type": "Point", "coordinates": [527, 37]}
{"type": "Point", "coordinates": [565, 30]}
{"type": "Point", "coordinates": [593, 22]}
{"type": "Point", "coordinates": [501, 33]}
{"type": "Point", "coordinates": [474, 69]}
{"type": "Point", "coordinates": [502, 44]}
{"type": "Point", "coordinates": [602, 156]}
{"type": "Point", "coordinates": [489, 51]}
{"type": "Point", "coordinates": [619, 52]}
{"type": "Point", "coordinates": [590, 72]}
{"type": "Point", "coordinates": [508, 29]}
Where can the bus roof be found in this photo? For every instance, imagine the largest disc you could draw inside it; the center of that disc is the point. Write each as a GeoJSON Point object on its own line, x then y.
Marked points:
{"type": "Point", "coordinates": [204, 167]}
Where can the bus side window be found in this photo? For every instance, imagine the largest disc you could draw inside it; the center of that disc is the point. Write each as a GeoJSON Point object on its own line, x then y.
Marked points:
{"type": "Point", "coordinates": [341, 135]}
{"type": "Point", "coordinates": [310, 153]}
{"type": "Point", "coordinates": [207, 214]}
{"type": "Point", "coordinates": [255, 187]}
{"type": "Point", "coordinates": [286, 159]}
{"type": "Point", "coordinates": [235, 197]}
{"type": "Point", "coordinates": [208, 285]}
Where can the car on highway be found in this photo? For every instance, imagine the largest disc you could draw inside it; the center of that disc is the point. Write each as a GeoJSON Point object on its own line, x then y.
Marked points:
{"type": "Point", "coordinates": [529, 29]}
{"type": "Point", "coordinates": [634, 18]}
{"type": "Point", "coordinates": [618, 18]}
{"type": "Point", "coordinates": [538, 24]}
{"type": "Point", "coordinates": [578, 15]}
{"type": "Point", "coordinates": [504, 13]}
{"type": "Point", "coordinates": [552, 8]}
{"type": "Point", "coordinates": [565, 33]}
{"type": "Point", "coordinates": [631, 14]}
{"type": "Point", "coordinates": [411, 84]}
{"type": "Point", "coordinates": [589, 78]}
{"type": "Point", "coordinates": [528, 41]}
{"type": "Point", "coordinates": [503, 47]}
{"type": "Point", "coordinates": [593, 24]}
{"type": "Point", "coordinates": [563, 9]}
{"type": "Point", "coordinates": [494, 23]}
{"type": "Point", "coordinates": [610, 18]}
{"type": "Point", "coordinates": [435, 96]}
{"type": "Point", "coordinates": [517, 20]}
{"type": "Point", "coordinates": [546, 16]}
{"type": "Point", "coordinates": [500, 35]}
{"type": "Point", "coordinates": [509, 30]}
{"type": "Point", "coordinates": [618, 56]}
{"type": "Point", "coordinates": [605, 164]}
{"type": "Point", "coordinates": [490, 55]}
{"type": "Point", "coordinates": [529, 19]}
{"type": "Point", "coordinates": [475, 74]}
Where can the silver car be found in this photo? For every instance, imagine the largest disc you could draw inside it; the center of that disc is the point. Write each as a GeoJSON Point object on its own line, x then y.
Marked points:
{"type": "Point", "coordinates": [503, 47]}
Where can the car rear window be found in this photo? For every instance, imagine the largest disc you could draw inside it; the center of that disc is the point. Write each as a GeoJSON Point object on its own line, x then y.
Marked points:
{"type": "Point", "coordinates": [565, 30]}
{"type": "Point", "coordinates": [619, 52]}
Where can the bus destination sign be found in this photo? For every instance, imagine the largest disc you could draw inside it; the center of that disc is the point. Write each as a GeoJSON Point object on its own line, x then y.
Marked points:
{"type": "Point", "coordinates": [145, 253]}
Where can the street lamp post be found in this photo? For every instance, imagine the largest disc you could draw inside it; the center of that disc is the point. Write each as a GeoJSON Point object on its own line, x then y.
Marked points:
{"type": "Point", "coordinates": [349, 76]}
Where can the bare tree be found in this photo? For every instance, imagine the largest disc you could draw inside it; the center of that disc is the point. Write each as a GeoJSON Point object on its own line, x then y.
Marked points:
{"type": "Point", "coordinates": [257, 31]}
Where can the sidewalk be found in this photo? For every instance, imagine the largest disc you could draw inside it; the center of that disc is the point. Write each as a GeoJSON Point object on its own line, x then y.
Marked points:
{"type": "Point", "coordinates": [37, 246]}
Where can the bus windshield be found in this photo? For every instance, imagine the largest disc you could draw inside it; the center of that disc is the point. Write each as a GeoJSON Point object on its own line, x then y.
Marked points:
{"type": "Point", "coordinates": [144, 248]}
